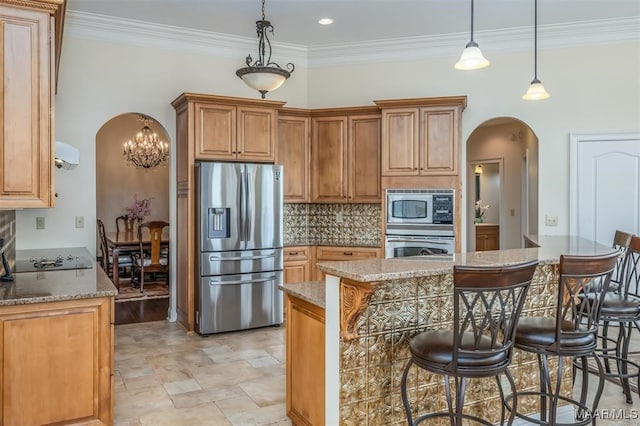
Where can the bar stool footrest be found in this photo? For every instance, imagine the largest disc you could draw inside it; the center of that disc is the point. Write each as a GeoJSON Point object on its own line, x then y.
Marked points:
{"type": "Point", "coordinates": [446, 414]}
{"type": "Point", "coordinates": [578, 404]}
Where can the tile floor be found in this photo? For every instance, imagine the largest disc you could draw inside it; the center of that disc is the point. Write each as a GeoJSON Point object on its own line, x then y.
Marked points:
{"type": "Point", "coordinates": [165, 377]}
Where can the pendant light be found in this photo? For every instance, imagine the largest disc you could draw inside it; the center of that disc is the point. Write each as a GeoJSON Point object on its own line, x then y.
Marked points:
{"type": "Point", "coordinates": [264, 75]}
{"type": "Point", "coordinates": [471, 58]}
{"type": "Point", "coordinates": [536, 90]}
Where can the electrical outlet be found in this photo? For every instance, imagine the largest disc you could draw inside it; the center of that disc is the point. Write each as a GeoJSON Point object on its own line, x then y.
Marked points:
{"type": "Point", "coordinates": [39, 222]}
{"type": "Point", "coordinates": [512, 212]}
{"type": "Point", "coordinates": [339, 218]}
{"type": "Point", "coordinates": [79, 221]}
{"type": "Point", "coordinates": [551, 220]}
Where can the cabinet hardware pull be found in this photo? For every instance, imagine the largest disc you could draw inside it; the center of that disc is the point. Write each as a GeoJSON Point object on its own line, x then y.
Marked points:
{"type": "Point", "coordinates": [293, 253]}
{"type": "Point", "coordinates": [348, 253]}
{"type": "Point", "coordinates": [415, 168]}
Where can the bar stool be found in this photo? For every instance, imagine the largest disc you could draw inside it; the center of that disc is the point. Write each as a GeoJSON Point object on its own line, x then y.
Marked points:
{"type": "Point", "coordinates": [487, 304]}
{"type": "Point", "coordinates": [572, 333]}
{"type": "Point", "coordinates": [623, 307]}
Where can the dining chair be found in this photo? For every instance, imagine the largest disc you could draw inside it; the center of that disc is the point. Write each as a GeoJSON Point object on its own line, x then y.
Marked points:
{"type": "Point", "coordinates": [124, 260]}
{"type": "Point", "coordinates": [486, 306]}
{"type": "Point", "coordinates": [151, 257]}
{"type": "Point", "coordinates": [123, 224]}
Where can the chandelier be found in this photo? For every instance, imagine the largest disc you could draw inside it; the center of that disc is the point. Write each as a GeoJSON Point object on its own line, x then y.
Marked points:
{"type": "Point", "coordinates": [145, 150]}
{"type": "Point", "coordinates": [264, 75]}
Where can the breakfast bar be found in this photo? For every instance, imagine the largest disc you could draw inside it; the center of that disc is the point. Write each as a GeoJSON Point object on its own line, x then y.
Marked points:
{"type": "Point", "coordinates": [372, 308]}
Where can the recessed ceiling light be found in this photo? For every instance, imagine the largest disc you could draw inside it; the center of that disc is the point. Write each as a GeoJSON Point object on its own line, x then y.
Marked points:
{"type": "Point", "coordinates": [325, 21]}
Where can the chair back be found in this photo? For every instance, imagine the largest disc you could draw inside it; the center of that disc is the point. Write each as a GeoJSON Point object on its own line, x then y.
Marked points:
{"type": "Point", "coordinates": [123, 224]}
{"type": "Point", "coordinates": [102, 238]}
{"type": "Point", "coordinates": [487, 304]}
{"type": "Point", "coordinates": [630, 271]}
{"type": "Point", "coordinates": [621, 241]}
{"type": "Point", "coordinates": [156, 228]}
{"type": "Point", "coordinates": [582, 278]}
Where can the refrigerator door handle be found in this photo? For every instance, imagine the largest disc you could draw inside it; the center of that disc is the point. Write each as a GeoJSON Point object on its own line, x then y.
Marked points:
{"type": "Point", "coordinates": [266, 256]}
{"type": "Point", "coordinates": [243, 206]}
{"type": "Point", "coordinates": [249, 211]}
{"type": "Point", "coordinates": [257, 280]}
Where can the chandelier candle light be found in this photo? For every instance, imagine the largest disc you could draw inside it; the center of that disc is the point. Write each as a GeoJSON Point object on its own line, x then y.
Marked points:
{"type": "Point", "coordinates": [264, 75]}
{"type": "Point", "coordinates": [146, 150]}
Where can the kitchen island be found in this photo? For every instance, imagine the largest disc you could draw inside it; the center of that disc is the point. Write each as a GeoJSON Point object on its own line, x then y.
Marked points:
{"type": "Point", "coordinates": [56, 341]}
{"type": "Point", "coordinates": [374, 307]}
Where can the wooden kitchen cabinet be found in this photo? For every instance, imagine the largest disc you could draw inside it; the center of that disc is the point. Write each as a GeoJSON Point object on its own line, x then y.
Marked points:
{"type": "Point", "coordinates": [305, 365]}
{"type": "Point", "coordinates": [487, 237]}
{"type": "Point", "coordinates": [326, 253]}
{"type": "Point", "coordinates": [294, 153]}
{"type": "Point", "coordinates": [27, 146]}
{"type": "Point", "coordinates": [421, 137]}
{"type": "Point", "coordinates": [345, 156]}
{"type": "Point", "coordinates": [57, 362]}
{"type": "Point", "coordinates": [297, 264]}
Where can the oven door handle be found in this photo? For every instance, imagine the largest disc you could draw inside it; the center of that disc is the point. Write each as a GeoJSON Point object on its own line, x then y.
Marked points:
{"type": "Point", "coordinates": [419, 240]}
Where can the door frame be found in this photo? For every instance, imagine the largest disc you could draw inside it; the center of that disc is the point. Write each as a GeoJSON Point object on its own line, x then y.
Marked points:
{"type": "Point", "coordinates": [471, 195]}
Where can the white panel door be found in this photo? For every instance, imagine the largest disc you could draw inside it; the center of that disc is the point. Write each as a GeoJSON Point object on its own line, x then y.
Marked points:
{"type": "Point", "coordinates": [604, 185]}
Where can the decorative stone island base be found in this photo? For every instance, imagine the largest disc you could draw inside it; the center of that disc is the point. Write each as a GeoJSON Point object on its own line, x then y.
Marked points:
{"type": "Point", "coordinates": [374, 308]}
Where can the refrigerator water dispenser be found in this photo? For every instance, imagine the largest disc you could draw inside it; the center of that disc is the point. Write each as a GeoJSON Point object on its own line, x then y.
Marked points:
{"type": "Point", "coordinates": [219, 222]}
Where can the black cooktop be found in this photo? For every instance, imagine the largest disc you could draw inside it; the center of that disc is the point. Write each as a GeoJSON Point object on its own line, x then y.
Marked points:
{"type": "Point", "coordinates": [52, 263]}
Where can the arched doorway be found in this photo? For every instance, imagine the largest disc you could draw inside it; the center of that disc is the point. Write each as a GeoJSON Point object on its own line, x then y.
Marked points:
{"type": "Point", "coordinates": [117, 184]}
{"type": "Point", "coordinates": [502, 170]}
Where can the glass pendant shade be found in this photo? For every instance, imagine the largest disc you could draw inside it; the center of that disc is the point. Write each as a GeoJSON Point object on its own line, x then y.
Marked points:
{"type": "Point", "coordinates": [262, 79]}
{"type": "Point", "coordinates": [536, 92]}
{"type": "Point", "coordinates": [471, 58]}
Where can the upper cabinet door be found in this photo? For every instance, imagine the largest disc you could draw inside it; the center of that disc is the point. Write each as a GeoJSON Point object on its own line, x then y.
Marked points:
{"type": "Point", "coordinates": [400, 142]}
{"type": "Point", "coordinates": [328, 157]}
{"type": "Point", "coordinates": [294, 154]}
{"type": "Point", "coordinates": [438, 140]}
{"type": "Point", "coordinates": [26, 140]}
{"type": "Point", "coordinates": [215, 130]}
{"type": "Point", "coordinates": [256, 134]}
{"type": "Point", "coordinates": [364, 159]}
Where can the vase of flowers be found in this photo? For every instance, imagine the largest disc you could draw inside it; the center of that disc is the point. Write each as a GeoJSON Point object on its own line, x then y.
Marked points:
{"type": "Point", "coordinates": [137, 211]}
{"type": "Point", "coordinates": [481, 209]}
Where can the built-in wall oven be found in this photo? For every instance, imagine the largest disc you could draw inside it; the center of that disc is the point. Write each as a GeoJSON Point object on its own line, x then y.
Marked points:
{"type": "Point", "coordinates": [420, 222]}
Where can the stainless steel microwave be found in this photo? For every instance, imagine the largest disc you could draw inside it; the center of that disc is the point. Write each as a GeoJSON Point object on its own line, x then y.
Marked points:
{"type": "Point", "coordinates": [425, 209]}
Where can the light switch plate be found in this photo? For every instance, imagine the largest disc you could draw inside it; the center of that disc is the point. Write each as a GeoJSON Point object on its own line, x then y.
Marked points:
{"type": "Point", "coordinates": [79, 221]}
{"type": "Point", "coordinates": [551, 220]}
{"type": "Point", "coordinates": [39, 222]}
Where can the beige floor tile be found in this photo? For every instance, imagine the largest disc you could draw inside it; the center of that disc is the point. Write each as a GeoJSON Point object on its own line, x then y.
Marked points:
{"type": "Point", "coordinates": [137, 402]}
{"type": "Point", "coordinates": [263, 361]}
{"type": "Point", "coordinates": [190, 399]}
{"type": "Point", "coordinates": [266, 391]}
{"type": "Point", "coordinates": [204, 414]}
{"type": "Point", "coordinates": [138, 382]}
{"type": "Point", "coordinates": [260, 416]}
{"type": "Point", "coordinates": [127, 422]}
{"type": "Point", "coordinates": [236, 405]}
{"type": "Point", "coordinates": [182, 386]}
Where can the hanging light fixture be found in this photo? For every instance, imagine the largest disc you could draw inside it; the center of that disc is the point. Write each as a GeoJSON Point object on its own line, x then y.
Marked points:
{"type": "Point", "coordinates": [145, 150]}
{"type": "Point", "coordinates": [471, 58]}
{"type": "Point", "coordinates": [478, 169]}
{"type": "Point", "coordinates": [264, 75]}
{"type": "Point", "coordinates": [536, 90]}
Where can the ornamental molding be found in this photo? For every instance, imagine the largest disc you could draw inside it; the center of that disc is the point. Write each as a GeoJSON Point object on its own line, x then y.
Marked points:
{"type": "Point", "coordinates": [97, 27]}
{"type": "Point", "coordinates": [354, 299]}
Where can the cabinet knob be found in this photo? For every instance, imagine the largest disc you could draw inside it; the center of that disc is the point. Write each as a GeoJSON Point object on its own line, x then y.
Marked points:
{"type": "Point", "coordinates": [415, 168]}
{"type": "Point", "coordinates": [233, 152]}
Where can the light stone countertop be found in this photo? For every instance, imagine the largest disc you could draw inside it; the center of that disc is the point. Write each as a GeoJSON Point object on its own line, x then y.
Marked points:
{"type": "Point", "coordinates": [551, 247]}
{"type": "Point", "coordinates": [311, 291]}
{"type": "Point", "coordinates": [53, 286]}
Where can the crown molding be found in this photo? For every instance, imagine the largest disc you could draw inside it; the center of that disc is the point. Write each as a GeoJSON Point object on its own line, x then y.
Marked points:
{"type": "Point", "coordinates": [127, 31]}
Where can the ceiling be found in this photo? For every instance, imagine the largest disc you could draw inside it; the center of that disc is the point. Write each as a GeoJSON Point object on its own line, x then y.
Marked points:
{"type": "Point", "coordinates": [295, 21]}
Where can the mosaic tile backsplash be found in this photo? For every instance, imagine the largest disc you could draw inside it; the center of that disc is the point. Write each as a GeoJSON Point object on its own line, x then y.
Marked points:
{"type": "Point", "coordinates": [7, 221]}
{"type": "Point", "coordinates": [332, 224]}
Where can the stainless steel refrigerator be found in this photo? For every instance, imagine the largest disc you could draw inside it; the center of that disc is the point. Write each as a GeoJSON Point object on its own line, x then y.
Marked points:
{"type": "Point", "coordinates": [240, 246]}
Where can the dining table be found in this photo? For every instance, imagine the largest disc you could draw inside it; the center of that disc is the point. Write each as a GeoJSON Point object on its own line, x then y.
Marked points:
{"type": "Point", "coordinates": [127, 242]}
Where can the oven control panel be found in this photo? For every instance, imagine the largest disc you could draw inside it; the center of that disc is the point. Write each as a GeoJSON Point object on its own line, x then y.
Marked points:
{"type": "Point", "coordinates": [443, 209]}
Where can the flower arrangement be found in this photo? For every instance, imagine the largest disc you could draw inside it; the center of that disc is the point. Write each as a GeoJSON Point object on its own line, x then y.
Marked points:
{"type": "Point", "coordinates": [481, 210]}
{"type": "Point", "coordinates": [139, 209]}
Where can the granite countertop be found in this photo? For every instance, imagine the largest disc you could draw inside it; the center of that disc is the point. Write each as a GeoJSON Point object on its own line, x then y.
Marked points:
{"type": "Point", "coordinates": [52, 286]}
{"type": "Point", "coordinates": [551, 247]}
{"type": "Point", "coordinates": [311, 291]}
{"type": "Point", "coordinates": [299, 244]}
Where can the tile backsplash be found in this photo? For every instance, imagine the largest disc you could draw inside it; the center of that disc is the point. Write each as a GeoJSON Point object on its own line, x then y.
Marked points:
{"type": "Point", "coordinates": [7, 231]}
{"type": "Point", "coordinates": [332, 224]}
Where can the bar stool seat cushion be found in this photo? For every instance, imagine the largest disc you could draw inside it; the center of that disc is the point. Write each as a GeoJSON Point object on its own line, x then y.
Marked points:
{"type": "Point", "coordinates": [618, 305]}
{"type": "Point", "coordinates": [436, 347]}
{"type": "Point", "coordinates": [541, 332]}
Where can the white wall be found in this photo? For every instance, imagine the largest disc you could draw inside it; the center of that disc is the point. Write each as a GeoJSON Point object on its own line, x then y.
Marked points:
{"type": "Point", "coordinates": [99, 80]}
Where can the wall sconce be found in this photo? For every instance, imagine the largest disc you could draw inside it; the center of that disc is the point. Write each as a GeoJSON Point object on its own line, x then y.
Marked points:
{"type": "Point", "coordinates": [478, 169]}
